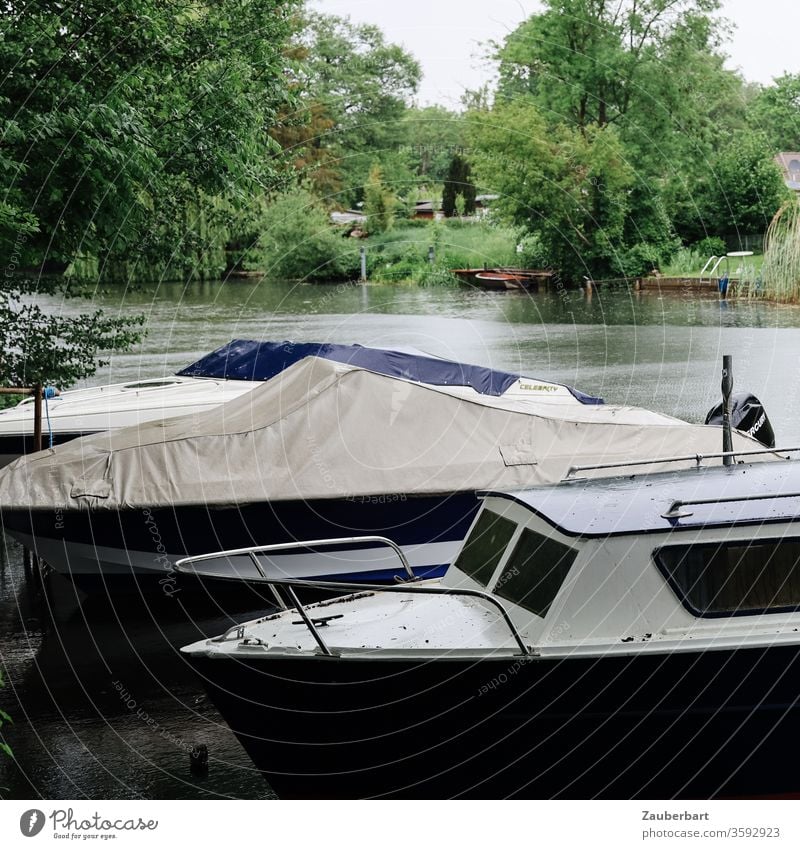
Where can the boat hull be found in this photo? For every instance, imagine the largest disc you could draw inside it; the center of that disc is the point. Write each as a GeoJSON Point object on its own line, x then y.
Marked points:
{"type": "Point", "coordinates": [684, 725]}
{"type": "Point", "coordinates": [108, 549]}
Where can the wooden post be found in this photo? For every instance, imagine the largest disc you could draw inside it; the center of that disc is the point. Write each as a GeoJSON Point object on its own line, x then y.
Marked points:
{"type": "Point", "coordinates": [37, 417]}
{"type": "Point", "coordinates": [30, 561]}
{"type": "Point", "coordinates": [363, 265]}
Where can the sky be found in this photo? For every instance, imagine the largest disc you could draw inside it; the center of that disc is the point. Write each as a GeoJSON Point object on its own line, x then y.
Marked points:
{"type": "Point", "coordinates": [447, 36]}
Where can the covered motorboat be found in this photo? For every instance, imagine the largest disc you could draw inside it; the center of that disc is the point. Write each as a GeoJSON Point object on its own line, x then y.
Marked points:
{"type": "Point", "coordinates": [625, 637]}
{"type": "Point", "coordinates": [328, 449]}
{"type": "Point", "coordinates": [227, 373]}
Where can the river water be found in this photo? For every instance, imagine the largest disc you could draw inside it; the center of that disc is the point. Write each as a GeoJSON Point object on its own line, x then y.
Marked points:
{"type": "Point", "coordinates": [104, 706]}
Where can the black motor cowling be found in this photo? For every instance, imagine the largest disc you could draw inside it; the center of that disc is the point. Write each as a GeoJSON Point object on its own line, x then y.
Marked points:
{"type": "Point", "coordinates": [747, 415]}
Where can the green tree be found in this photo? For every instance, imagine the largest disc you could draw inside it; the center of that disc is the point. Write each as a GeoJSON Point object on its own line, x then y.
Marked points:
{"type": "Point", "coordinates": [568, 188]}
{"type": "Point", "coordinates": [379, 202]}
{"type": "Point", "coordinates": [654, 70]}
{"type": "Point", "coordinates": [109, 111]}
{"type": "Point", "coordinates": [356, 86]}
{"type": "Point", "coordinates": [297, 242]}
{"type": "Point", "coordinates": [600, 62]}
{"type": "Point", "coordinates": [432, 136]}
{"type": "Point", "coordinates": [745, 187]}
{"type": "Point", "coordinates": [129, 132]}
{"type": "Point", "coordinates": [458, 185]}
{"type": "Point", "coordinates": [42, 347]}
{"type": "Point", "coordinates": [775, 111]}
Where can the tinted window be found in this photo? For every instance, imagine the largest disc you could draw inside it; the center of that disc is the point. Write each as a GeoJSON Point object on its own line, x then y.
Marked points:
{"type": "Point", "coordinates": [735, 577]}
{"type": "Point", "coordinates": [485, 546]}
{"type": "Point", "coordinates": [534, 573]}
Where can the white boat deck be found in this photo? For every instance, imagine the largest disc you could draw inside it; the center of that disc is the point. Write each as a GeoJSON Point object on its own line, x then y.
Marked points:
{"type": "Point", "coordinates": [113, 406]}
{"type": "Point", "coordinates": [389, 622]}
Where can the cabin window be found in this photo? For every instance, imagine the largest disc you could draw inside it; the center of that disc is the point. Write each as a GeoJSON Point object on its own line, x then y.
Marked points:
{"type": "Point", "coordinates": [485, 546]}
{"type": "Point", "coordinates": [535, 571]}
{"type": "Point", "coordinates": [726, 579]}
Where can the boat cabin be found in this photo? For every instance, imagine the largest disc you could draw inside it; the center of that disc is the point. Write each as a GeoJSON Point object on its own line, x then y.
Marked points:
{"type": "Point", "coordinates": [643, 559]}
{"type": "Point", "coordinates": [674, 561]}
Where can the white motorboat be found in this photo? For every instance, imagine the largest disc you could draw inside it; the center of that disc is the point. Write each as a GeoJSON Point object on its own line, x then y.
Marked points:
{"type": "Point", "coordinates": [230, 372]}
{"type": "Point", "coordinates": [633, 636]}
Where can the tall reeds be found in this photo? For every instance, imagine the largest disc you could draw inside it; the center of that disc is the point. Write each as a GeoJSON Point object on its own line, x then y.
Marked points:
{"type": "Point", "coordinates": [781, 269]}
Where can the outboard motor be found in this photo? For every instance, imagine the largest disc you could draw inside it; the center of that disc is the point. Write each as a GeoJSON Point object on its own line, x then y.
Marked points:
{"type": "Point", "coordinates": [747, 415]}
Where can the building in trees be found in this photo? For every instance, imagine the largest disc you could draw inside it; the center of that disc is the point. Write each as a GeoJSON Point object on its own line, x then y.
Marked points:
{"type": "Point", "coordinates": [789, 163]}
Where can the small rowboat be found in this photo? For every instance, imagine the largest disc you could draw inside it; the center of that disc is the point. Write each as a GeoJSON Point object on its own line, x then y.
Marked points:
{"type": "Point", "coordinates": [501, 280]}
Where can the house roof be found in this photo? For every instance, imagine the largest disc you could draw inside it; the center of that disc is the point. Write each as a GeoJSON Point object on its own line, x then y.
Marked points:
{"type": "Point", "coordinates": [348, 217]}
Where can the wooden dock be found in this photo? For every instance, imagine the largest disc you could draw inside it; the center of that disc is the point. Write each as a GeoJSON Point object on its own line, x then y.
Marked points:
{"type": "Point", "coordinates": [683, 284]}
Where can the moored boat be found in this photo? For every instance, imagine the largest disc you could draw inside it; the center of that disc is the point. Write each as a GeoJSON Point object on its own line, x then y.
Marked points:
{"type": "Point", "coordinates": [635, 636]}
{"type": "Point", "coordinates": [327, 448]}
{"type": "Point", "coordinates": [501, 280]}
{"type": "Point", "coordinates": [220, 376]}
{"type": "Point", "coordinates": [504, 278]}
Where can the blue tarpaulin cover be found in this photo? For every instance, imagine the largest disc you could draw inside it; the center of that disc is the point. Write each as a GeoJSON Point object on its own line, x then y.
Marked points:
{"type": "Point", "coordinates": [247, 359]}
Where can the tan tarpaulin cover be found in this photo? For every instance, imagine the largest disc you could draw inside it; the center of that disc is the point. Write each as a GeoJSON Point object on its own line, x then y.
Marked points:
{"type": "Point", "coordinates": [327, 430]}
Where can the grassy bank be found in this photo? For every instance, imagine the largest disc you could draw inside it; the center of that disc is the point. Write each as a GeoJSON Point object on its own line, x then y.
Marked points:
{"type": "Point", "coordinates": [402, 254]}
{"type": "Point", "coordinates": [690, 263]}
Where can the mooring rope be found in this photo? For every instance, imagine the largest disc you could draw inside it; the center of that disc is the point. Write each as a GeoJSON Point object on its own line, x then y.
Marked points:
{"type": "Point", "coordinates": [48, 393]}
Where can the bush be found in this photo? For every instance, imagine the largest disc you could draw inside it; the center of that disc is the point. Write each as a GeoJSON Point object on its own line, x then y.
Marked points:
{"type": "Point", "coordinates": [781, 269]}
{"type": "Point", "coordinates": [435, 275]}
{"type": "Point", "coordinates": [382, 269]}
{"type": "Point", "coordinates": [7, 401]}
{"type": "Point", "coordinates": [638, 260]}
{"type": "Point", "coordinates": [686, 261]}
{"type": "Point", "coordinates": [297, 241]}
{"type": "Point", "coordinates": [402, 254]}
{"type": "Point", "coordinates": [533, 253]}
{"type": "Point", "coordinates": [711, 246]}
